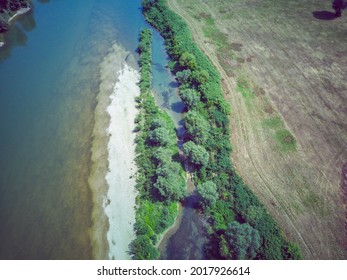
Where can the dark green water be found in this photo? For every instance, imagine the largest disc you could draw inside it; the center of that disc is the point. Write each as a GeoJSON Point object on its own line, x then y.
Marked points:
{"type": "Point", "coordinates": [49, 80]}
{"type": "Point", "coordinates": [188, 243]}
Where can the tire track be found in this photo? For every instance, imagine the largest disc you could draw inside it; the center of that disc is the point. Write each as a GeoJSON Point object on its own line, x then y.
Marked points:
{"type": "Point", "coordinates": [307, 250]}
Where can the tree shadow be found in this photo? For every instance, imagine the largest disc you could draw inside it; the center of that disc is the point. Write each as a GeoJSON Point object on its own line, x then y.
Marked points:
{"type": "Point", "coordinates": [192, 201]}
{"type": "Point", "coordinates": [178, 107]}
{"type": "Point", "coordinates": [173, 84]}
{"type": "Point", "coordinates": [13, 38]}
{"type": "Point", "coordinates": [17, 34]}
{"type": "Point", "coordinates": [324, 15]}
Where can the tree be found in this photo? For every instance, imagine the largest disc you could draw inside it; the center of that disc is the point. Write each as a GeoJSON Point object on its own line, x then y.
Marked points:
{"type": "Point", "coordinates": [158, 122]}
{"type": "Point", "coordinates": [243, 240]}
{"type": "Point", "coordinates": [171, 187]}
{"type": "Point", "coordinates": [168, 168]}
{"type": "Point", "coordinates": [190, 97]}
{"type": "Point", "coordinates": [160, 136]}
{"type": "Point", "coordinates": [208, 193]}
{"type": "Point", "coordinates": [291, 252]}
{"type": "Point", "coordinates": [142, 249]}
{"type": "Point", "coordinates": [195, 154]}
{"type": "Point", "coordinates": [142, 228]}
{"type": "Point", "coordinates": [183, 76]}
{"type": "Point", "coordinates": [197, 127]}
{"type": "Point", "coordinates": [254, 214]}
{"type": "Point", "coordinates": [162, 155]}
{"type": "Point", "coordinates": [200, 77]}
{"type": "Point", "coordinates": [224, 247]}
{"type": "Point", "coordinates": [187, 60]}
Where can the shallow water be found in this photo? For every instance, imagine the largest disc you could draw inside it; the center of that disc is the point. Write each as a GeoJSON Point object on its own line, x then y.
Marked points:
{"type": "Point", "coordinates": [189, 240]}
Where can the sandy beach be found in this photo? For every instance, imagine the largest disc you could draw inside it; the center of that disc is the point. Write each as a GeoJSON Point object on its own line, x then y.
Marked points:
{"type": "Point", "coordinates": [113, 157]}
{"type": "Point", "coordinates": [120, 178]}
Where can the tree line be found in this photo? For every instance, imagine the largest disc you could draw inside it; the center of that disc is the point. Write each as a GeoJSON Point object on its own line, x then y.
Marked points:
{"type": "Point", "coordinates": [160, 179]}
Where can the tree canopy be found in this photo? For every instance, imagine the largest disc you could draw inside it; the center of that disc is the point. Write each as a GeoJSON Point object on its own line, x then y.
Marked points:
{"type": "Point", "coordinates": [243, 240]}
{"type": "Point", "coordinates": [197, 127]}
{"type": "Point", "coordinates": [190, 97]}
{"type": "Point", "coordinates": [196, 154]}
{"type": "Point", "coordinates": [208, 193]}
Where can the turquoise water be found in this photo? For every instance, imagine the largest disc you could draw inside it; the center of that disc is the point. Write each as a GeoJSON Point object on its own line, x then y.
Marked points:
{"type": "Point", "coordinates": [48, 86]}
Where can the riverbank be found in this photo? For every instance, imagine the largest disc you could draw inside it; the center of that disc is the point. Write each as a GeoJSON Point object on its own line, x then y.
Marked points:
{"type": "Point", "coordinates": [121, 195]}
{"type": "Point", "coordinates": [160, 177]}
{"type": "Point", "coordinates": [113, 166]}
{"type": "Point", "coordinates": [208, 147]}
{"type": "Point", "coordinates": [168, 233]}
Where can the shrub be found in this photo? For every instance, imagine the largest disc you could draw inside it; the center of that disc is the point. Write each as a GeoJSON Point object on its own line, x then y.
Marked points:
{"type": "Point", "coordinates": [196, 154]}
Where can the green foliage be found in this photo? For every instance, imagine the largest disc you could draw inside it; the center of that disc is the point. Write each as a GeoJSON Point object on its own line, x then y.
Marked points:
{"type": "Point", "coordinates": [243, 240]}
{"type": "Point", "coordinates": [190, 97]}
{"type": "Point", "coordinates": [254, 213]}
{"type": "Point", "coordinates": [154, 217]}
{"type": "Point", "coordinates": [285, 140]}
{"type": "Point", "coordinates": [197, 127]}
{"type": "Point", "coordinates": [208, 147]}
{"type": "Point", "coordinates": [291, 251]}
{"type": "Point", "coordinates": [142, 249]}
{"type": "Point", "coordinates": [170, 184]}
{"type": "Point", "coordinates": [208, 193]}
{"type": "Point", "coordinates": [222, 214]}
{"type": "Point", "coordinates": [224, 250]}
{"type": "Point", "coordinates": [159, 179]}
{"type": "Point", "coordinates": [195, 154]}
{"type": "Point", "coordinates": [160, 136]}
{"type": "Point", "coordinates": [246, 89]}
{"type": "Point", "coordinates": [162, 156]}
{"type": "Point", "coordinates": [183, 76]}
{"type": "Point", "coordinates": [274, 122]}
{"type": "Point", "coordinates": [200, 77]}
{"type": "Point", "coordinates": [187, 60]}
{"type": "Point", "coordinates": [248, 207]}
{"type": "Point", "coordinates": [170, 187]}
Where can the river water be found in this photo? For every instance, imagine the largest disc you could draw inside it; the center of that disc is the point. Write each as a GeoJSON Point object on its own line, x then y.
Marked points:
{"type": "Point", "coordinates": [49, 87]}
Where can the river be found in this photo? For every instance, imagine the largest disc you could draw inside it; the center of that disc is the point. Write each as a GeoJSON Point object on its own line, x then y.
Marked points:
{"type": "Point", "coordinates": [51, 76]}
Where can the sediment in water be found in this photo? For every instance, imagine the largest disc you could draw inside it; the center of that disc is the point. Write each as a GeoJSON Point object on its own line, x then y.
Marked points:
{"type": "Point", "coordinates": [113, 202]}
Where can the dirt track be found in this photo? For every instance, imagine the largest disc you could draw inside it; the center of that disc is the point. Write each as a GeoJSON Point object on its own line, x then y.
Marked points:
{"type": "Point", "coordinates": [301, 80]}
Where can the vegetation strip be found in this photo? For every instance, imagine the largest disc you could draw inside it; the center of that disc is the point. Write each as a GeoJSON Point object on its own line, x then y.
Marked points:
{"type": "Point", "coordinates": [160, 179]}
{"type": "Point", "coordinates": [240, 227]}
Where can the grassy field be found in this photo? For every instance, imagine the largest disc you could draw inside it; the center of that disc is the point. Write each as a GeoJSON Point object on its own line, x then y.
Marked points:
{"type": "Point", "coordinates": [284, 73]}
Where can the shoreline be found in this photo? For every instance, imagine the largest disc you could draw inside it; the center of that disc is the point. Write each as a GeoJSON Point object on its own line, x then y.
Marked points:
{"type": "Point", "coordinates": [158, 14]}
{"type": "Point", "coordinates": [169, 232]}
{"type": "Point", "coordinates": [18, 13]}
{"type": "Point", "coordinates": [21, 11]}
{"type": "Point", "coordinates": [121, 195]}
{"type": "Point", "coordinates": [109, 70]}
